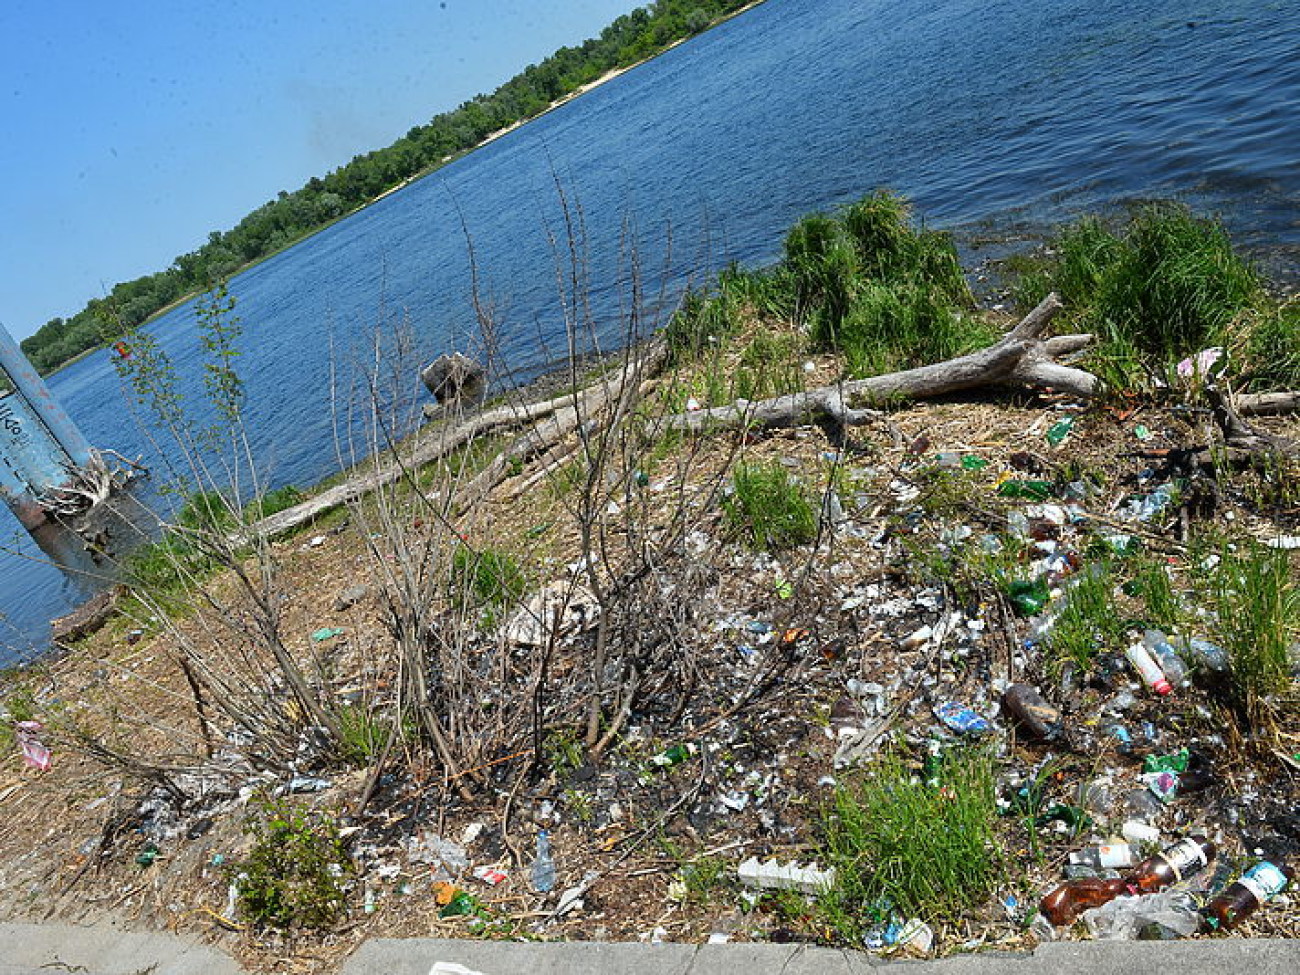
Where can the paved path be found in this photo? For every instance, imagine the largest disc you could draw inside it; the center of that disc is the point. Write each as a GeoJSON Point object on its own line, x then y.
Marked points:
{"type": "Point", "coordinates": [42, 949]}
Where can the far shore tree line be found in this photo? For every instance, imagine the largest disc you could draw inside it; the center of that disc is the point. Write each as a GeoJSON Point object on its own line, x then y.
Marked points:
{"type": "Point", "coordinates": [290, 217]}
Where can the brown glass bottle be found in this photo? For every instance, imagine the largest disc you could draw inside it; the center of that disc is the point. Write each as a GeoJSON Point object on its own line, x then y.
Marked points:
{"type": "Point", "coordinates": [1038, 718]}
{"type": "Point", "coordinates": [1170, 865]}
{"type": "Point", "coordinates": [1260, 884]}
{"type": "Point", "coordinates": [1074, 897]}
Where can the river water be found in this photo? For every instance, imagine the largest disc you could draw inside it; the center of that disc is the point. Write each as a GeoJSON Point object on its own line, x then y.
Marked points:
{"type": "Point", "coordinates": [997, 118]}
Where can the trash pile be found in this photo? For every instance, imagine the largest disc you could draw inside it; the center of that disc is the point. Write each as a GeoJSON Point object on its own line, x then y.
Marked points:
{"type": "Point", "coordinates": [1021, 594]}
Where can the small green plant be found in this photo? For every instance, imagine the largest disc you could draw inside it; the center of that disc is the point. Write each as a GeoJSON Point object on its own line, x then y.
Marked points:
{"type": "Point", "coordinates": [700, 324]}
{"type": "Point", "coordinates": [1088, 623]}
{"type": "Point", "coordinates": [361, 734]}
{"type": "Point", "coordinates": [564, 751]}
{"type": "Point", "coordinates": [20, 704]}
{"type": "Point", "coordinates": [769, 366]}
{"type": "Point", "coordinates": [1272, 349]}
{"type": "Point", "coordinates": [703, 878]}
{"type": "Point", "coordinates": [273, 502]}
{"type": "Point", "coordinates": [1257, 604]}
{"type": "Point", "coordinates": [1154, 587]}
{"type": "Point", "coordinates": [771, 508]}
{"type": "Point", "coordinates": [489, 579]}
{"type": "Point", "coordinates": [295, 873]}
{"type": "Point", "coordinates": [929, 850]}
{"type": "Point", "coordinates": [580, 804]}
{"type": "Point", "coordinates": [700, 878]}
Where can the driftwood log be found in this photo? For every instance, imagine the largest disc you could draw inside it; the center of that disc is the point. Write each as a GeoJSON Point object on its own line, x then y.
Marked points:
{"type": "Point", "coordinates": [601, 404]}
{"type": "Point", "coordinates": [552, 420]}
{"type": "Point", "coordinates": [1021, 357]}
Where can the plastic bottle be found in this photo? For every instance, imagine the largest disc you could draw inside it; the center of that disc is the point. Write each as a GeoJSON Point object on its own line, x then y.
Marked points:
{"type": "Point", "coordinates": [1031, 711]}
{"type": "Point", "coordinates": [1167, 657]}
{"type": "Point", "coordinates": [1260, 884]}
{"type": "Point", "coordinates": [1203, 653]}
{"type": "Point", "coordinates": [1148, 669]}
{"type": "Point", "coordinates": [1071, 899]}
{"type": "Point", "coordinates": [1170, 865]}
{"type": "Point", "coordinates": [543, 864]}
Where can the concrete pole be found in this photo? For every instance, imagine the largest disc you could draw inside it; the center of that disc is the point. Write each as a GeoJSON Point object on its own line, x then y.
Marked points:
{"type": "Point", "coordinates": [29, 385]}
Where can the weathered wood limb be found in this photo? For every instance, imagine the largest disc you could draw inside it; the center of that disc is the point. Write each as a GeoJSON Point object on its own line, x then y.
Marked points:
{"type": "Point", "coordinates": [1018, 357]}
{"type": "Point", "coordinates": [1240, 435]}
{"type": "Point", "coordinates": [611, 394]}
{"type": "Point", "coordinates": [86, 619]}
{"type": "Point", "coordinates": [1267, 404]}
{"type": "Point", "coordinates": [1059, 345]}
{"type": "Point", "coordinates": [435, 444]}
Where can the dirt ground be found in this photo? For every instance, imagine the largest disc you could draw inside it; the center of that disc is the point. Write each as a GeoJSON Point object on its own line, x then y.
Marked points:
{"type": "Point", "coordinates": [780, 650]}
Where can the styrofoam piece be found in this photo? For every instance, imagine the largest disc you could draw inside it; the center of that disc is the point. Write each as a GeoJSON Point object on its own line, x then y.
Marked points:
{"type": "Point", "coordinates": [785, 876]}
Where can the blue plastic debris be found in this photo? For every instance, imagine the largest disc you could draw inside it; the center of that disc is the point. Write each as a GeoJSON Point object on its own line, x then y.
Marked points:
{"type": "Point", "coordinates": [961, 719]}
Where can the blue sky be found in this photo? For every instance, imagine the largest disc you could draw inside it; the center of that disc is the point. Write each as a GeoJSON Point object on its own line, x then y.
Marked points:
{"type": "Point", "coordinates": [133, 128]}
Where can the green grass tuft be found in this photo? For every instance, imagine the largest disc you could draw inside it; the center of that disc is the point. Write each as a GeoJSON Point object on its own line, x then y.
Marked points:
{"type": "Point", "coordinates": [1257, 601]}
{"type": "Point", "coordinates": [930, 851]}
{"type": "Point", "coordinates": [770, 507]}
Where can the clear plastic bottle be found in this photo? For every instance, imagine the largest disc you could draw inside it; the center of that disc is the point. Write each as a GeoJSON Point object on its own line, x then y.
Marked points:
{"type": "Point", "coordinates": [1258, 885]}
{"type": "Point", "coordinates": [543, 864]}
{"type": "Point", "coordinates": [1203, 653]}
{"type": "Point", "coordinates": [1167, 657]}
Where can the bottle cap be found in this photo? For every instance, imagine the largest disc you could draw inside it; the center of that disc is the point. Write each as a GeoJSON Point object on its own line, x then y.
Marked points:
{"type": "Point", "coordinates": [1162, 687]}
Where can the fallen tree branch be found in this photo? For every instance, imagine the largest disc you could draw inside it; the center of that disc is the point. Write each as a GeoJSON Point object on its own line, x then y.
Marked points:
{"type": "Point", "coordinates": [612, 390]}
{"type": "Point", "coordinates": [1020, 357]}
{"type": "Point", "coordinates": [1267, 404]}
{"type": "Point", "coordinates": [1238, 435]}
{"type": "Point", "coordinates": [439, 443]}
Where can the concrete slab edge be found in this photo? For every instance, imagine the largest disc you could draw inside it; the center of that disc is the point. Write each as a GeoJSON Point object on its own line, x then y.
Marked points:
{"type": "Point", "coordinates": [105, 949]}
{"type": "Point", "coordinates": [441, 957]}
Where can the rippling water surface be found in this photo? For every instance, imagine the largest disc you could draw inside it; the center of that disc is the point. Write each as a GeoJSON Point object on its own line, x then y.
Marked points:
{"type": "Point", "coordinates": [995, 117]}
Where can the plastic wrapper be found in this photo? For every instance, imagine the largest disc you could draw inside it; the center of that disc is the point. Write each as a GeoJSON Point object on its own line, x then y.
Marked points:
{"type": "Point", "coordinates": [1162, 916]}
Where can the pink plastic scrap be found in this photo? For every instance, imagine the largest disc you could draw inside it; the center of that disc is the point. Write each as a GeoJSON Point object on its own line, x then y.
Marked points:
{"type": "Point", "coordinates": [35, 754]}
{"type": "Point", "coordinates": [1201, 363]}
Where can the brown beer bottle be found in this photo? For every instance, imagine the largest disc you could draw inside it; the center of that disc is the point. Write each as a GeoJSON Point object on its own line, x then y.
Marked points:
{"type": "Point", "coordinates": [1038, 718]}
{"type": "Point", "coordinates": [1170, 865]}
{"type": "Point", "coordinates": [1074, 897]}
{"type": "Point", "coordinates": [1260, 884]}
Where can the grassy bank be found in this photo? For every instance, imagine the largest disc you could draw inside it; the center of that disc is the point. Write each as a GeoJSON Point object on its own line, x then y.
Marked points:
{"type": "Point", "coordinates": [676, 648]}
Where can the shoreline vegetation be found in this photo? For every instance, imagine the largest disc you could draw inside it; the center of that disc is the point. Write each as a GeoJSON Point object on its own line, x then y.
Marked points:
{"type": "Point", "coordinates": [773, 584]}
{"type": "Point", "coordinates": [292, 217]}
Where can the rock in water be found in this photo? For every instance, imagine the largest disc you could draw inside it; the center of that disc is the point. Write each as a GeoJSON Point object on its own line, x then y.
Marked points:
{"type": "Point", "coordinates": [455, 378]}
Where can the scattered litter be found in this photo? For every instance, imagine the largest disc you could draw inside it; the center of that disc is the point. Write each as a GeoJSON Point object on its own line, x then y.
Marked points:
{"type": "Point", "coordinates": [772, 875]}
{"type": "Point", "coordinates": [490, 875]}
{"type": "Point", "coordinates": [430, 848]}
{"type": "Point", "coordinates": [35, 754]}
{"type": "Point", "coordinates": [326, 633]}
{"type": "Point", "coordinates": [308, 783]}
{"type": "Point", "coordinates": [961, 719]}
